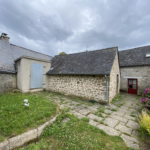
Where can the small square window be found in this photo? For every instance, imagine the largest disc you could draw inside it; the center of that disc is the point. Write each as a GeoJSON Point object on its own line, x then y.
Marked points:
{"type": "Point", "coordinates": [130, 81]}
{"type": "Point", "coordinates": [134, 86]}
{"type": "Point", "coordinates": [147, 55]}
{"type": "Point", "coordinates": [134, 81]}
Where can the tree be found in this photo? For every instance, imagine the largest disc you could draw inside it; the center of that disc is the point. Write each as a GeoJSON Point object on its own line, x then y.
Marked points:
{"type": "Point", "coordinates": [62, 53]}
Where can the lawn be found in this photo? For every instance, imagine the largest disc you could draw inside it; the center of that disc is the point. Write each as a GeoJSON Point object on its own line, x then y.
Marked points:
{"type": "Point", "coordinates": [16, 118]}
{"type": "Point", "coordinates": [75, 134]}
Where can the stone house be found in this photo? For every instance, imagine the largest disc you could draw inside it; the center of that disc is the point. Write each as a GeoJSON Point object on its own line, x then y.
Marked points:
{"type": "Point", "coordinates": [97, 75]}
{"type": "Point", "coordinates": [16, 65]}
{"type": "Point", "coordinates": [135, 69]}
{"type": "Point", "coordinates": [92, 74]}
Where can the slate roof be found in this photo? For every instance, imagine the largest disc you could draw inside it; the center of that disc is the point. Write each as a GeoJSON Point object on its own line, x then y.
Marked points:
{"type": "Point", "coordinates": [134, 57]}
{"type": "Point", "coordinates": [10, 52]}
{"type": "Point", "coordinates": [96, 62]}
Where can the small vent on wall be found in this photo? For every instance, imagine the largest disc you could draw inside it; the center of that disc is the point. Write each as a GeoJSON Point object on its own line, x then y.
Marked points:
{"type": "Point", "coordinates": [147, 55]}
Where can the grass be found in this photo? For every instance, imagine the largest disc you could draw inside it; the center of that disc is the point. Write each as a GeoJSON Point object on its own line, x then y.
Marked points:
{"type": "Point", "coordinates": [99, 114]}
{"type": "Point", "coordinates": [100, 111]}
{"type": "Point", "coordinates": [116, 98]}
{"type": "Point", "coordinates": [76, 134]}
{"type": "Point", "coordinates": [102, 121]}
{"type": "Point", "coordinates": [112, 109]}
{"type": "Point", "coordinates": [16, 118]}
{"type": "Point", "coordinates": [85, 119]}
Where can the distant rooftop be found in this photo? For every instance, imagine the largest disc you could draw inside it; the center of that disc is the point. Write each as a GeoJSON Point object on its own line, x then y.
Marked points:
{"type": "Point", "coordinates": [10, 52]}
{"type": "Point", "coordinates": [135, 56]}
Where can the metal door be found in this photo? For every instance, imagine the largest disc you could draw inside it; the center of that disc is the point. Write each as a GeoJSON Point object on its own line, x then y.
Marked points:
{"type": "Point", "coordinates": [132, 86]}
{"type": "Point", "coordinates": [36, 76]}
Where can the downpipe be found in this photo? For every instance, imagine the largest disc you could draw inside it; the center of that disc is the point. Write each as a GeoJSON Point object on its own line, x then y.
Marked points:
{"type": "Point", "coordinates": [106, 87]}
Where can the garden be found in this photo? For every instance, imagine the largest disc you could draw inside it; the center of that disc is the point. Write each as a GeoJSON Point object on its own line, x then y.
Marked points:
{"type": "Point", "coordinates": [75, 134]}
{"type": "Point", "coordinates": [15, 118]}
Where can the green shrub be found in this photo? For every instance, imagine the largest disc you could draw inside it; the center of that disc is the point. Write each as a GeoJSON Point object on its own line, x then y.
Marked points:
{"type": "Point", "coordinates": [144, 120]}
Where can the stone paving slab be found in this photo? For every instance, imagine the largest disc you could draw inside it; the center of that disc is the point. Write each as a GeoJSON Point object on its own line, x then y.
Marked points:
{"type": "Point", "coordinates": [135, 133]}
{"type": "Point", "coordinates": [128, 104]}
{"type": "Point", "coordinates": [94, 117]}
{"type": "Point", "coordinates": [122, 123]}
{"type": "Point", "coordinates": [133, 124]}
{"type": "Point", "coordinates": [130, 141]}
{"type": "Point", "coordinates": [111, 106]}
{"type": "Point", "coordinates": [108, 130]}
{"type": "Point", "coordinates": [119, 118]}
{"type": "Point", "coordinates": [111, 122]}
{"type": "Point", "coordinates": [132, 110]}
{"type": "Point", "coordinates": [108, 111]}
{"type": "Point", "coordinates": [75, 113]}
{"type": "Point", "coordinates": [78, 108]}
{"type": "Point", "coordinates": [128, 113]}
{"type": "Point", "coordinates": [104, 115]}
{"type": "Point", "coordinates": [91, 108]}
{"type": "Point", "coordinates": [120, 110]}
{"type": "Point", "coordinates": [124, 107]}
{"type": "Point", "coordinates": [84, 111]}
{"type": "Point", "coordinates": [123, 129]}
{"type": "Point", "coordinates": [93, 123]}
{"type": "Point", "coordinates": [129, 117]}
{"type": "Point", "coordinates": [81, 116]}
{"type": "Point", "coordinates": [96, 105]}
{"type": "Point", "coordinates": [118, 113]}
{"type": "Point", "coordinates": [4, 145]}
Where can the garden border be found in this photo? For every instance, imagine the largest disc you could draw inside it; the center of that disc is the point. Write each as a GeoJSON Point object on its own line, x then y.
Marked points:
{"type": "Point", "coordinates": [20, 140]}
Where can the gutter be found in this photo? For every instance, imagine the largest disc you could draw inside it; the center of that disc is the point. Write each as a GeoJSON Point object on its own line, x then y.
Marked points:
{"type": "Point", "coordinates": [106, 87]}
{"type": "Point", "coordinates": [8, 72]}
{"type": "Point", "coordinates": [48, 73]}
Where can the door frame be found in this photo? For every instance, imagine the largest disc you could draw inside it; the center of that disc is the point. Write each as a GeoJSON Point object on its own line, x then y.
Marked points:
{"type": "Point", "coordinates": [132, 85]}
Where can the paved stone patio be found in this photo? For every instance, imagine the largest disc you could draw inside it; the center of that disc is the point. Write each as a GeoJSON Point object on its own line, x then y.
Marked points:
{"type": "Point", "coordinates": [116, 119]}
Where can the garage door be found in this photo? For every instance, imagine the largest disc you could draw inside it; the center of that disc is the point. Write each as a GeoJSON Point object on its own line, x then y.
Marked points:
{"type": "Point", "coordinates": [36, 76]}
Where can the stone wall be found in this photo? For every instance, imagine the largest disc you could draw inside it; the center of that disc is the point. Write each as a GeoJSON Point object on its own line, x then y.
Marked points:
{"type": "Point", "coordinates": [7, 82]}
{"type": "Point", "coordinates": [141, 73]}
{"type": "Point", "coordinates": [114, 85]}
{"type": "Point", "coordinates": [90, 87]}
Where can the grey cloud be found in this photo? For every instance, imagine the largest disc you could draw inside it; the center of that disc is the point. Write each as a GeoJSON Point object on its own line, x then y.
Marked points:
{"type": "Point", "coordinates": [54, 26]}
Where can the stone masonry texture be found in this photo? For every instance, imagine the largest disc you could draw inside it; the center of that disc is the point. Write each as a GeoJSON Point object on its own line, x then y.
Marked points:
{"type": "Point", "coordinates": [7, 82]}
{"type": "Point", "coordinates": [141, 73]}
{"type": "Point", "coordinates": [90, 87]}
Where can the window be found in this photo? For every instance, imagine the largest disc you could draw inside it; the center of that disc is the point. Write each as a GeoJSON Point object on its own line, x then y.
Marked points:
{"type": "Point", "coordinates": [147, 55]}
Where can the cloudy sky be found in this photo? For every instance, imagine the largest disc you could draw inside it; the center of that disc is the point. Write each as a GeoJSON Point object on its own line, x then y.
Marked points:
{"type": "Point", "coordinates": [53, 26]}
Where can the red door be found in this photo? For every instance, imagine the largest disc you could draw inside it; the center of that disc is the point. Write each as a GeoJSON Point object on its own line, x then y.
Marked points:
{"type": "Point", "coordinates": [132, 86]}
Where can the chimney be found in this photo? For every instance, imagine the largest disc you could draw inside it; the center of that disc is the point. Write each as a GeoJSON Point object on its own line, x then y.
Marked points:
{"type": "Point", "coordinates": [4, 37]}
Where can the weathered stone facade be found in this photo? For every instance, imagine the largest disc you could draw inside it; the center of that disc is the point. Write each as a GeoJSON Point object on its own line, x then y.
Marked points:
{"type": "Point", "coordinates": [7, 82]}
{"type": "Point", "coordinates": [141, 73]}
{"type": "Point", "coordinates": [114, 84]}
{"type": "Point", "coordinates": [90, 87]}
